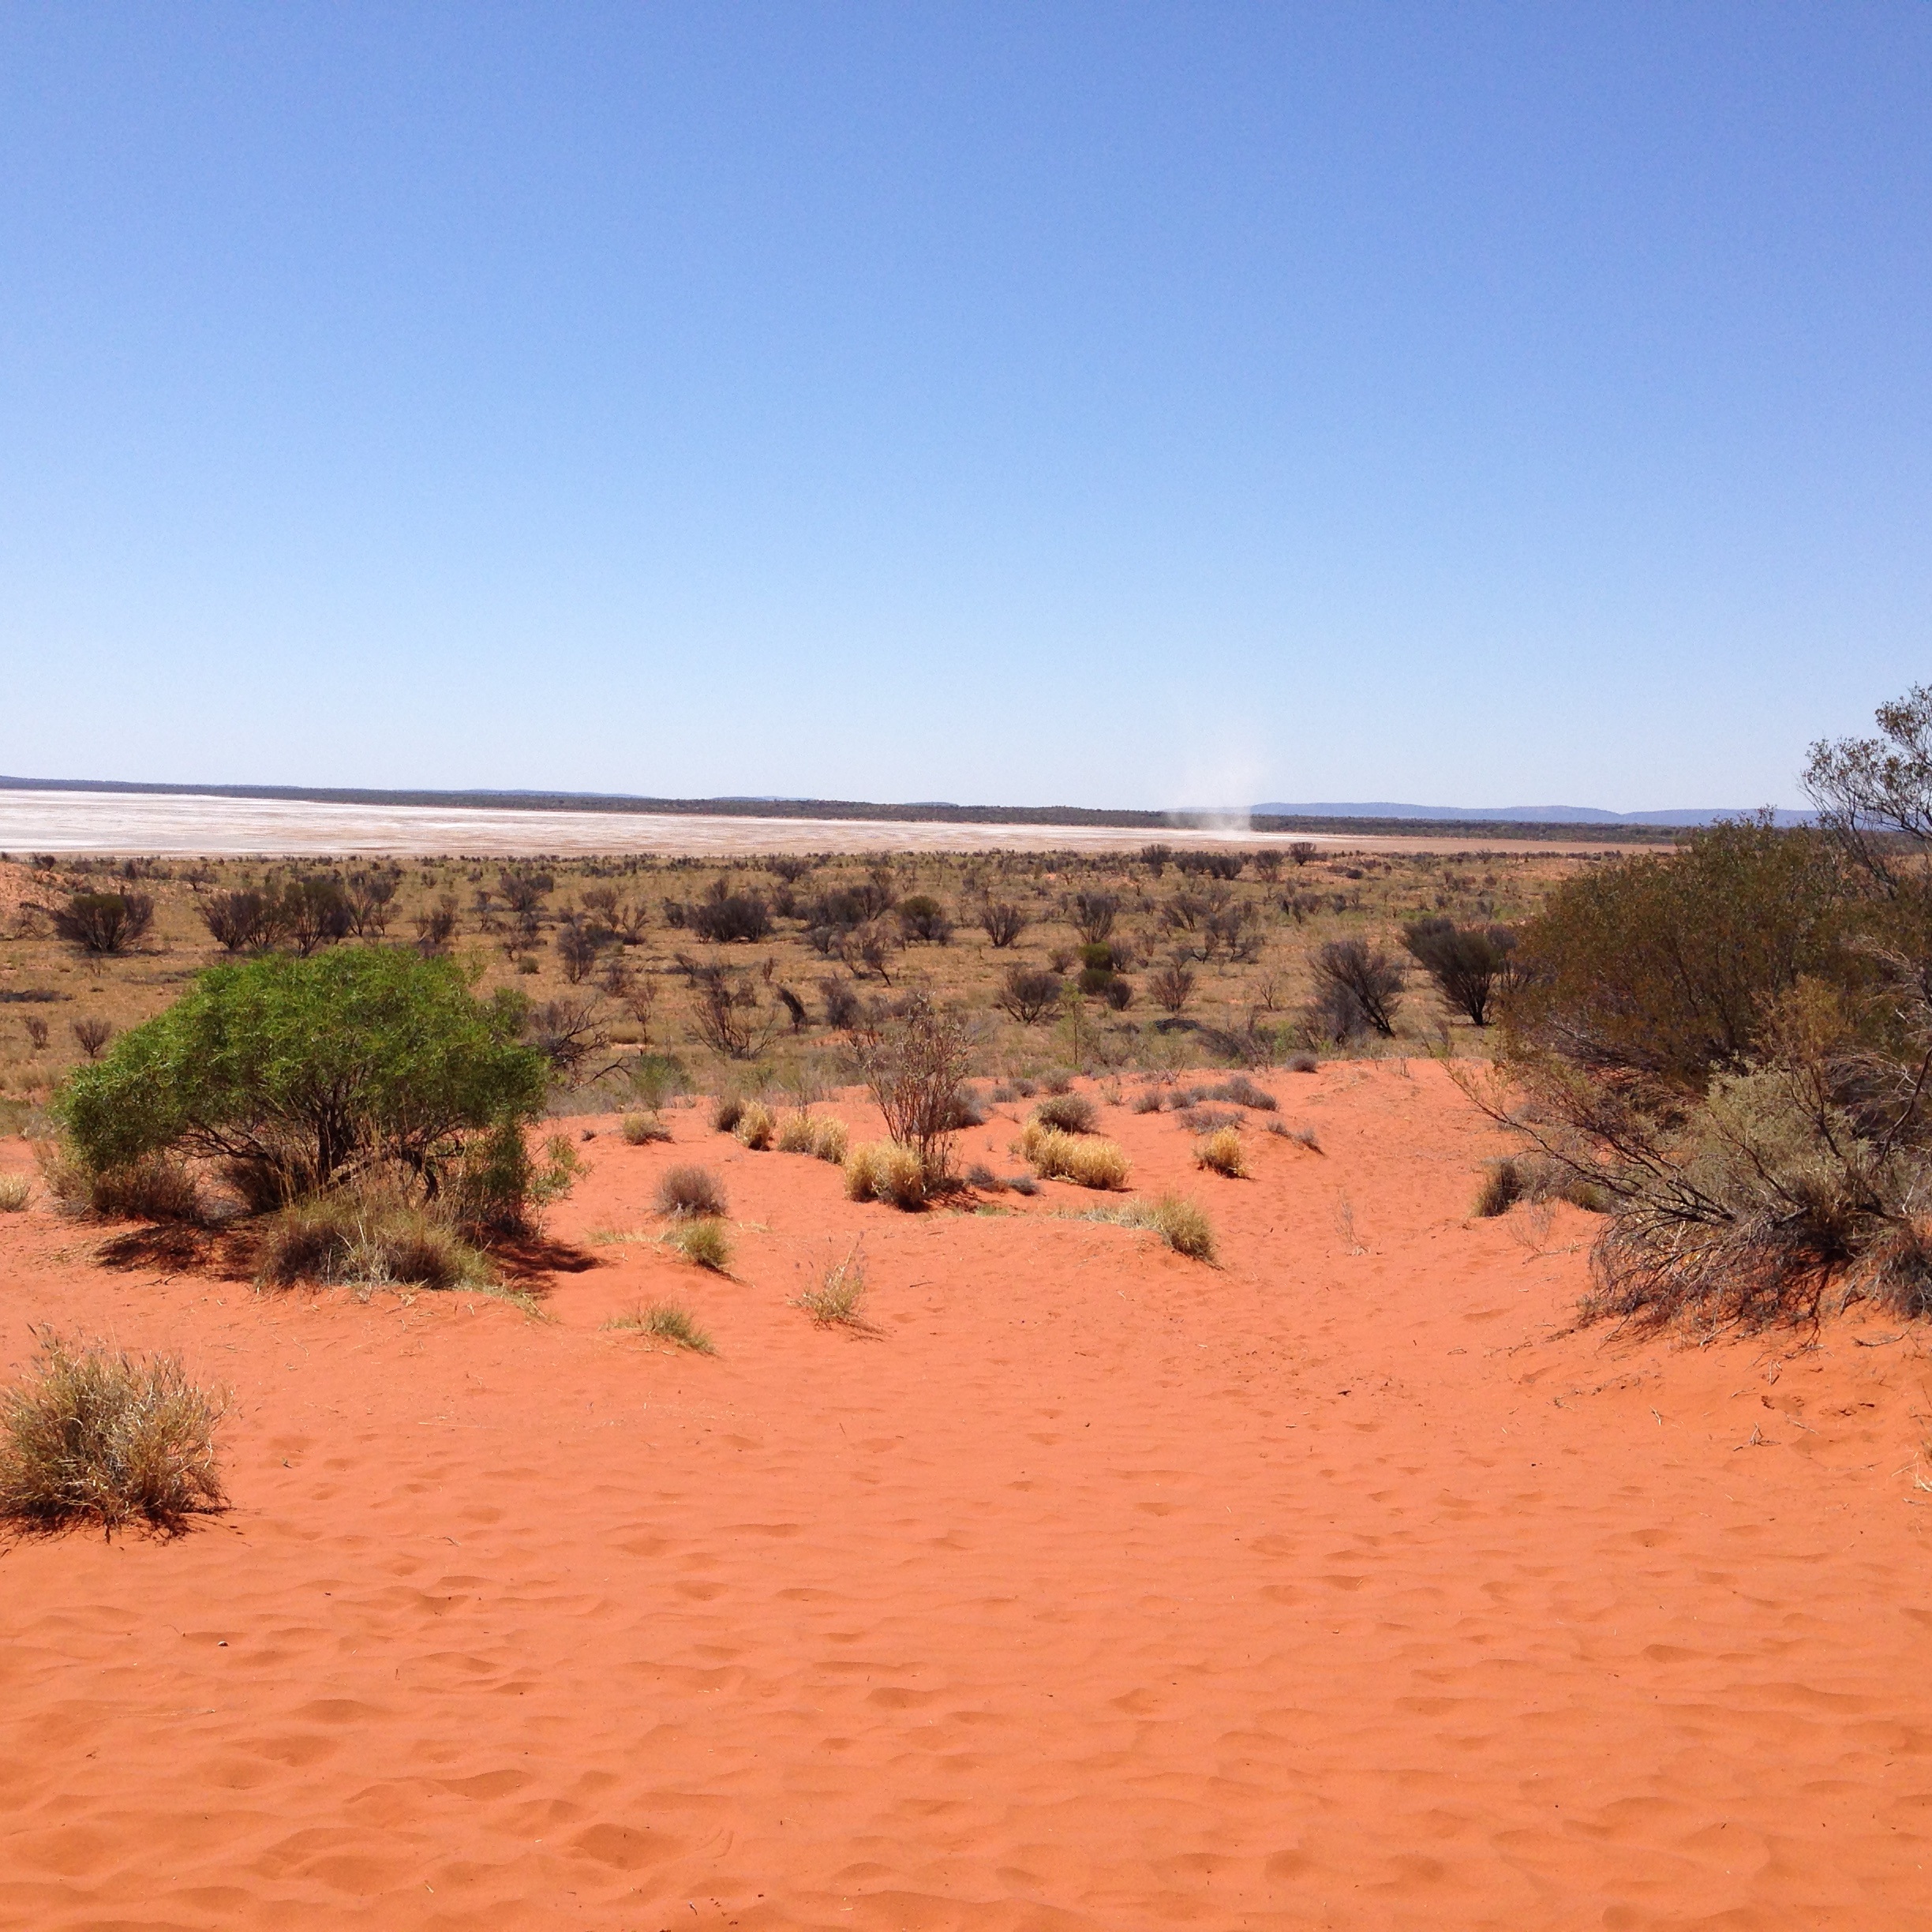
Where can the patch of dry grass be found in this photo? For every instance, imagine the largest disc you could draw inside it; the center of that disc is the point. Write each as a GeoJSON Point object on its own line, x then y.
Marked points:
{"type": "Point", "coordinates": [93, 1434]}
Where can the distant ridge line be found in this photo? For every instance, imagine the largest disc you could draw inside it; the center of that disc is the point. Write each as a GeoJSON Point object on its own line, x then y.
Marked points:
{"type": "Point", "coordinates": [1399, 821]}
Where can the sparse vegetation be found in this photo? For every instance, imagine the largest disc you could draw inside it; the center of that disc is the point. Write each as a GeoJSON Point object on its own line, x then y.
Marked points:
{"type": "Point", "coordinates": [1177, 1220]}
{"type": "Point", "coordinates": [641, 1129]}
{"type": "Point", "coordinates": [1070, 1113]}
{"type": "Point", "coordinates": [754, 1127]}
{"type": "Point", "coordinates": [16, 1191]}
{"type": "Point", "coordinates": [94, 1434]}
{"type": "Point", "coordinates": [665, 1321]}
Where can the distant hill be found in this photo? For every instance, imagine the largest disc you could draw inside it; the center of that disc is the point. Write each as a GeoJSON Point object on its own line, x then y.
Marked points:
{"type": "Point", "coordinates": [1527, 814]}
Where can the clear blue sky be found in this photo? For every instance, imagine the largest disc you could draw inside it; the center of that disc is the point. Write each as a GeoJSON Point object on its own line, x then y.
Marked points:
{"type": "Point", "coordinates": [1111, 405]}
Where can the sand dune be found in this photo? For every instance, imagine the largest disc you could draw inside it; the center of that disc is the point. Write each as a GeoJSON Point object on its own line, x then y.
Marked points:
{"type": "Point", "coordinates": [1334, 1587]}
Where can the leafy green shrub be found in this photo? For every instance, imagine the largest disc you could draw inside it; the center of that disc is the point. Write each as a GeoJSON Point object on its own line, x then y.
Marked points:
{"type": "Point", "coordinates": [304, 1067]}
{"type": "Point", "coordinates": [691, 1191]}
{"type": "Point", "coordinates": [924, 921]}
{"type": "Point", "coordinates": [93, 1434]}
{"type": "Point", "coordinates": [1669, 967]}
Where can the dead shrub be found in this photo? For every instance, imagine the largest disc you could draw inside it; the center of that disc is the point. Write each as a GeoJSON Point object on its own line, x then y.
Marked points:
{"type": "Point", "coordinates": [691, 1191]}
{"type": "Point", "coordinates": [1070, 1113]}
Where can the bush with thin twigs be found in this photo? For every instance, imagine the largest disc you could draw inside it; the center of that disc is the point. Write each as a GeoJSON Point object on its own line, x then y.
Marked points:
{"type": "Point", "coordinates": [841, 1289]}
{"type": "Point", "coordinates": [1357, 987]}
{"type": "Point", "coordinates": [915, 1064]}
{"type": "Point", "coordinates": [1003, 923]}
{"type": "Point", "coordinates": [368, 1235]}
{"type": "Point", "coordinates": [1301, 1063]}
{"type": "Point", "coordinates": [93, 1434]}
{"type": "Point", "coordinates": [1070, 1113]}
{"type": "Point", "coordinates": [91, 1035]}
{"type": "Point", "coordinates": [640, 1129]}
{"type": "Point", "coordinates": [103, 923]}
{"type": "Point", "coordinates": [16, 1191]}
{"type": "Point", "coordinates": [665, 1321]}
{"type": "Point", "coordinates": [1221, 1152]}
{"type": "Point", "coordinates": [1084, 1159]}
{"type": "Point", "coordinates": [1028, 995]}
{"type": "Point", "coordinates": [755, 1128]}
{"type": "Point", "coordinates": [690, 1192]}
{"type": "Point", "coordinates": [704, 1241]}
{"type": "Point", "coordinates": [1171, 989]}
{"type": "Point", "coordinates": [886, 1170]}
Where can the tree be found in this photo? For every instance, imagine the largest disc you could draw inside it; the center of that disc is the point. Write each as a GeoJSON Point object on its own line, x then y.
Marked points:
{"type": "Point", "coordinates": [303, 1070]}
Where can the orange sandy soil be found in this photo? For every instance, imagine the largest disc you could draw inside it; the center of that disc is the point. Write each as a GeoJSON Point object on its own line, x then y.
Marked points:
{"type": "Point", "coordinates": [1096, 1588]}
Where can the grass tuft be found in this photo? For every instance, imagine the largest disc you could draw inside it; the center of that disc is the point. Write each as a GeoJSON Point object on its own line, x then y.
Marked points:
{"type": "Point", "coordinates": [704, 1241]}
{"type": "Point", "coordinates": [1221, 1152]}
{"type": "Point", "coordinates": [841, 1290]}
{"type": "Point", "coordinates": [641, 1129]}
{"type": "Point", "coordinates": [885, 1171]}
{"type": "Point", "coordinates": [755, 1126]}
{"type": "Point", "coordinates": [16, 1191]}
{"type": "Point", "coordinates": [366, 1237]}
{"type": "Point", "coordinates": [1082, 1159]}
{"type": "Point", "coordinates": [666, 1322]}
{"type": "Point", "coordinates": [91, 1434]}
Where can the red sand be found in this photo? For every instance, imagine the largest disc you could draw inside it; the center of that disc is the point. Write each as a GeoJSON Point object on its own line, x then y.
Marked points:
{"type": "Point", "coordinates": [1331, 1588]}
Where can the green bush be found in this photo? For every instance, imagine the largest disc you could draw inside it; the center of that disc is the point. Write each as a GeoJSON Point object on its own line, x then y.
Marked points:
{"type": "Point", "coordinates": [1667, 967]}
{"type": "Point", "coordinates": [300, 1067]}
